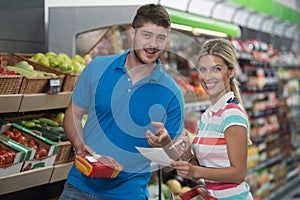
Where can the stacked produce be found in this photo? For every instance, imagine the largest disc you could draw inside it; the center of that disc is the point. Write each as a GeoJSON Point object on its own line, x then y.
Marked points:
{"type": "Point", "coordinates": [48, 128]}
{"type": "Point", "coordinates": [60, 61]}
{"type": "Point", "coordinates": [7, 156]}
{"type": "Point", "coordinates": [25, 69]}
{"type": "Point", "coordinates": [31, 143]}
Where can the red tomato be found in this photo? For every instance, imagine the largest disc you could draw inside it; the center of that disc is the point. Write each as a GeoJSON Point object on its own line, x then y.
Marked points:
{"type": "Point", "coordinates": [31, 142]}
{"type": "Point", "coordinates": [13, 154]}
{"type": "Point", "coordinates": [2, 160]}
{"type": "Point", "coordinates": [8, 158]}
{"type": "Point", "coordinates": [17, 133]}
{"type": "Point", "coordinates": [9, 134]}
{"type": "Point", "coordinates": [42, 152]}
{"type": "Point", "coordinates": [3, 151]}
{"type": "Point", "coordinates": [22, 140]}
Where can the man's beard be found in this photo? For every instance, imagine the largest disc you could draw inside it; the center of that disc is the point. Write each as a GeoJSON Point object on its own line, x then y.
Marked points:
{"type": "Point", "coordinates": [138, 57]}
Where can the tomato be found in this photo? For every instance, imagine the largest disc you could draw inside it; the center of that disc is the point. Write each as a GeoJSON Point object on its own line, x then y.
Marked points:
{"type": "Point", "coordinates": [31, 142]}
{"type": "Point", "coordinates": [8, 158]}
{"type": "Point", "coordinates": [17, 133]}
{"type": "Point", "coordinates": [2, 160]}
{"type": "Point", "coordinates": [3, 151]}
{"type": "Point", "coordinates": [22, 140]}
{"type": "Point", "coordinates": [9, 134]}
{"type": "Point", "coordinates": [42, 152]}
{"type": "Point", "coordinates": [13, 154]}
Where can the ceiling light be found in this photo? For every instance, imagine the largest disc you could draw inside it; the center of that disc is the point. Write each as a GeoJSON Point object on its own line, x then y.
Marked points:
{"type": "Point", "coordinates": [198, 31]}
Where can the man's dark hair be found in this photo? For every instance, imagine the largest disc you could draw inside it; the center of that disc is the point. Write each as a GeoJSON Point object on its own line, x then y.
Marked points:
{"type": "Point", "coordinates": [153, 13]}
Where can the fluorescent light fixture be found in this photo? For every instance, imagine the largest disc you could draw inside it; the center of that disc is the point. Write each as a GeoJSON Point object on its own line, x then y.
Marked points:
{"type": "Point", "coordinates": [182, 27]}
{"type": "Point", "coordinates": [198, 31]}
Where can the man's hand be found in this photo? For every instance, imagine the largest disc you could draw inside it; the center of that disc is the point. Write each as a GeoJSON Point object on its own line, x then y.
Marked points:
{"type": "Point", "coordinates": [161, 137]}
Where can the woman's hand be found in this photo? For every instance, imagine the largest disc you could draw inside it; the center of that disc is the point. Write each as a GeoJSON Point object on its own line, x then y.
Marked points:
{"type": "Point", "coordinates": [161, 137]}
{"type": "Point", "coordinates": [184, 169]}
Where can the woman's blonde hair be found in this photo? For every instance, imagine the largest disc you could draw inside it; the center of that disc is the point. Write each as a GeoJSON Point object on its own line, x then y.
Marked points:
{"type": "Point", "coordinates": [225, 50]}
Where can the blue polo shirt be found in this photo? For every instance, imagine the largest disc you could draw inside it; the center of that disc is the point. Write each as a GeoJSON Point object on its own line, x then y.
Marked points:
{"type": "Point", "coordinates": [119, 114]}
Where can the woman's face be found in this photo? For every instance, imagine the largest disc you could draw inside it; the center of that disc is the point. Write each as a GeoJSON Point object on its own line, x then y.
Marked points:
{"type": "Point", "coordinates": [149, 42]}
{"type": "Point", "coordinates": [214, 76]}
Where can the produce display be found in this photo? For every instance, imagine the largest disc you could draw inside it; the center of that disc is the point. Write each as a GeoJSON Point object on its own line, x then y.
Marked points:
{"type": "Point", "coordinates": [31, 143]}
{"type": "Point", "coordinates": [25, 69]}
{"type": "Point", "coordinates": [46, 127]}
{"type": "Point", "coordinates": [6, 156]}
{"type": "Point", "coordinates": [60, 61]}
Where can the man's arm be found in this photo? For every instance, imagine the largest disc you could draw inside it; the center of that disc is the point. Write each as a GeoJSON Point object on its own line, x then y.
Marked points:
{"type": "Point", "coordinates": [73, 128]}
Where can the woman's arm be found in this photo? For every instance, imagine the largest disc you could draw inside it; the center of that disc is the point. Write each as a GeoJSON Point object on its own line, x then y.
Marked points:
{"type": "Point", "coordinates": [236, 141]}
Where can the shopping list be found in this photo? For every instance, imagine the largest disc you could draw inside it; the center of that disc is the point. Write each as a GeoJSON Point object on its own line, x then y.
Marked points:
{"type": "Point", "coordinates": [156, 155]}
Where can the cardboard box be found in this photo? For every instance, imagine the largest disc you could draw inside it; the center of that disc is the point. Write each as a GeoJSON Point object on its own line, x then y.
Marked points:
{"type": "Point", "coordinates": [50, 146]}
{"type": "Point", "coordinates": [31, 161]}
{"type": "Point", "coordinates": [38, 163]}
{"type": "Point", "coordinates": [20, 155]}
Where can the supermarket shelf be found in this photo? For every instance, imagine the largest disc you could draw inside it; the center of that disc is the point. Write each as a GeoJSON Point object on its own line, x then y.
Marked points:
{"type": "Point", "coordinates": [283, 189]}
{"type": "Point", "coordinates": [24, 180]}
{"type": "Point", "coordinates": [265, 164]}
{"type": "Point", "coordinates": [60, 172]}
{"type": "Point", "coordinates": [10, 103]}
{"type": "Point", "coordinates": [36, 177]}
{"type": "Point", "coordinates": [33, 102]}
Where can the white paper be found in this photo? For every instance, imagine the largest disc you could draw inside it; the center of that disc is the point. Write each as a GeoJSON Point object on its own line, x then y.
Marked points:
{"type": "Point", "coordinates": [156, 155]}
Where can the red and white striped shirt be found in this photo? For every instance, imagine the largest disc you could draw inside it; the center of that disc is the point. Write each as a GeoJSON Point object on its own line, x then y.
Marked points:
{"type": "Point", "coordinates": [210, 147]}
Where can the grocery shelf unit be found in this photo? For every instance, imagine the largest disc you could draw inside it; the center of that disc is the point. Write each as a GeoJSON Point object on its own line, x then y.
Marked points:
{"type": "Point", "coordinates": [29, 183]}
{"type": "Point", "coordinates": [46, 178]}
{"type": "Point", "coordinates": [270, 102]}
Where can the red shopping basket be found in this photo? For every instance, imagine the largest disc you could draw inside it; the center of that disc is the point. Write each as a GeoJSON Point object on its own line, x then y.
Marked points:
{"type": "Point", "coordinates": [198, 192]}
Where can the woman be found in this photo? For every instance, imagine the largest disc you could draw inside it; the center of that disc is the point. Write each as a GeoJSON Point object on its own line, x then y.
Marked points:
{"type": "Point", "coordinates": [220, 146]}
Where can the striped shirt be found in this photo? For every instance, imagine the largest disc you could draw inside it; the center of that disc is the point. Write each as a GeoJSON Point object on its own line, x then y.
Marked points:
{"type": "Point", "coordinates": [210, 145]}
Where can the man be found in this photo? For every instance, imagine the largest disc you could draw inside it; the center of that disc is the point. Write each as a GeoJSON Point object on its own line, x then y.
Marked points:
{"type": "Point", "coordinates": [122, 95]}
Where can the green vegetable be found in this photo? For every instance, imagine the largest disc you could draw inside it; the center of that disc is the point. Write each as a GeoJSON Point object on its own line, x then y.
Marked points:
{"type": "Point", "coordinates": [29, 124]}
{"type": "Point", "coordinates": [24, 65]}
{"type": "Point", "coordinates": [48, 121]}
{"type": "Point", "coordinates": [59, 129]}
{"type": "Point", "coordinates": [21, 71]}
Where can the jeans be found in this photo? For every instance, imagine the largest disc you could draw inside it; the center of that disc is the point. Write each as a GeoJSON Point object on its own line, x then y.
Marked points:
{"type": "Point", "coordinates": [72, 193]}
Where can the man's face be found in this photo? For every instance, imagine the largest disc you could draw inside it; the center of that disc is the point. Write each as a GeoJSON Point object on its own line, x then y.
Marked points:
{"type": "Point", "coordinates": [148, 42]}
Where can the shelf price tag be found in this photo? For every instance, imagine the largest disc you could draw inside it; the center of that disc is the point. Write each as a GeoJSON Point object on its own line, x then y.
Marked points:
{"type": "Point", "coordinates": [54, 86]}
